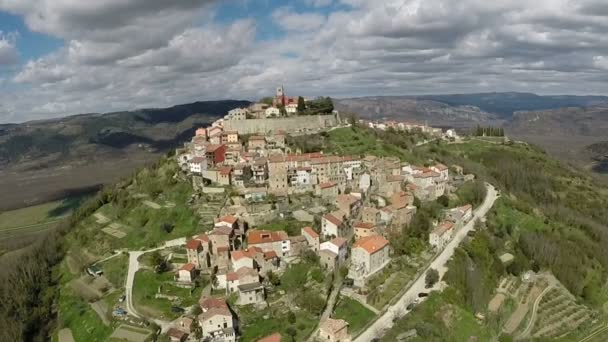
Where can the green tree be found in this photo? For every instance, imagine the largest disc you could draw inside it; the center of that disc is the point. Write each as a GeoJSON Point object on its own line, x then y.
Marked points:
{"type": "Point", "coordinates": [301, 104]}
{"type": "Point", "coordinates": [431, 277]}
{"type": "Point", "coordinates": [292, 332]}
{"type": "Point", "coordinates": [291, 317]}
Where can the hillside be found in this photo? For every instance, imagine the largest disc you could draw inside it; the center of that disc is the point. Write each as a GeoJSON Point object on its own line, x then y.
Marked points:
{"type": "Point", "coordinates": [417, 110]}
{"type": "Point", "coordinates": [460, 110]}
{"type": "Point", "coordinates": [550, 218]}
{"type": "Point", "coordinates": [566, 133]}
{"type": "Point", "coordinates": [49, 159]}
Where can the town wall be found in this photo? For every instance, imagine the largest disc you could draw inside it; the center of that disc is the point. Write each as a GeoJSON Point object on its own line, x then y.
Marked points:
{"type": "Point", "coordinates": [294, 124]}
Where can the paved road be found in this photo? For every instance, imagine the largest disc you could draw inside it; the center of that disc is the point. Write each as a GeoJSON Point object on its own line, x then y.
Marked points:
{"type": "Point", "coordinates": [133, 268]}
{"type": "Point", "coordinates": [385, 322]}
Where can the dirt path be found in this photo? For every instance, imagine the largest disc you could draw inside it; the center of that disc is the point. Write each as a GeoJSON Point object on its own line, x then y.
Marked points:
{"type": "Point", "coordinates": [528, 328]}
{"type": "Point", "coordinates": [65, 335]}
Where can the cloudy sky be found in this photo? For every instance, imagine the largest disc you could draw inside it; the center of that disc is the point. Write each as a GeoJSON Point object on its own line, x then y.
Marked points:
{"type": "Point", "coordinates": [60, 57]}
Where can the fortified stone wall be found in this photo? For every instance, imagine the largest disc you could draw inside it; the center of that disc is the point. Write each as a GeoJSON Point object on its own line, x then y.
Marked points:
{"type": "Point", "coordinates": [290, 125]}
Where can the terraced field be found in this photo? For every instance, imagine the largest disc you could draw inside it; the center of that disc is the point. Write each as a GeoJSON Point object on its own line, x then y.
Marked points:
{"type": "Point", "coordinates": [559, 314]}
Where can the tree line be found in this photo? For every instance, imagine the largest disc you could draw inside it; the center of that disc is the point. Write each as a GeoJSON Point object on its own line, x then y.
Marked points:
{"type": "Point", "coordinates": [489, 131]}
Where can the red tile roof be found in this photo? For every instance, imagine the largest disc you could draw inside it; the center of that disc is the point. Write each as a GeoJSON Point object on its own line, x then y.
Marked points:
{"type": "Point", "coordinates": [197, 160]}
{"type": "Point", "coordinates": [228, 219]}
{"type": "Point", "coordinates": [338, 241]}
{"type": "Point", "coordinates": [310, 232]}
{"type": "Point", "coordinates": [225, 170]}
{"type": "Point", "coordinates": [175, 333]}
{"type": "Point", "coordinates": [270, 255]}
{"type": "Point", "coordinates": [264, 236]}
{"type": "Point", "coordinates": [212, 147]}
{"type": "Point", "coordinates": [187, 267]}
{"type": "Point", "coordinates": [364, 225]}
{"type": "Point", "coordinates": [207, 303]}
{"type": "Point", "coordinates": [232, 276]}
{"type": "Point", "coordinates": [331, 218]}
{"type": "Point", "coordinates": [193, 244]}
{"type": "Point", "coordinates": [327, 185]}
{"type": "Point", "coordinates": [276, 337]}
{"type": "Point", "coordinates": [371, 244]}
{"type": "Point", "coordinates": [202, 237]}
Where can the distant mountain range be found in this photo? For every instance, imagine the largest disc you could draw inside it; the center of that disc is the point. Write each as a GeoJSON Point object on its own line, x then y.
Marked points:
{"type": "Point", "coordinates": [41, 160]}
{"type": "Point", "coordinates": [460, 110]}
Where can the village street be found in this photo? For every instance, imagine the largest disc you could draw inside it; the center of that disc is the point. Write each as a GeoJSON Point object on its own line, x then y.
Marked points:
{"type": "Point", "coordinates": [399, 309]}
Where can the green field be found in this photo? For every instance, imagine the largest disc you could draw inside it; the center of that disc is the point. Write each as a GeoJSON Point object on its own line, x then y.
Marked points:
{"type": "Point", "coordinates": [147, 284]}
{"type": "Point", "coordinates": [35, 218]}
{"type": "Point", "coordinates": [354, 313]}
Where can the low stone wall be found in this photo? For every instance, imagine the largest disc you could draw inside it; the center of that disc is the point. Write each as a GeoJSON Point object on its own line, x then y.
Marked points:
{"type": "Point", "coordinates": [290, 125]}
{"type": "Point", "coordinates": [211, 190]}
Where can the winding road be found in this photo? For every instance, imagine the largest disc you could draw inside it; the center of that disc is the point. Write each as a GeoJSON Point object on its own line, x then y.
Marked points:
{"type": "Point", "coordinates": [133, 268]}
{"type": "Point", "coordinates": [399, 309]}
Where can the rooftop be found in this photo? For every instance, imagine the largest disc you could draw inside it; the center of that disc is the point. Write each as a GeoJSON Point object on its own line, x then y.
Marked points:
{"type": "Point", "coordinates": [310, 232]}
{"type": "Point", "coordinates": [264, 236]}
{"type": "Point", "coordinates": [332, 326]}
{"type": "Point", "coordinates": [371, 244]}
{"type": "Point", "coordinates": [331, 218]}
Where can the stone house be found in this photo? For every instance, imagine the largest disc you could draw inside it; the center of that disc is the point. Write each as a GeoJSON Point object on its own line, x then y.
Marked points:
{"type": "Point", "coordinates": [312, 238]}
{"type": "Point", "coordinates": [252, 293]}
{"type": "Point", "coordinates": [270, 241]}
{"type": "Point", "coordinates": [256, 143]}
{"type": "Point", "coordinates": [197, 165]}
{"type": "Point", "coordinates": [338, 246]}
{"type": "Point", "coordinates": [328, 191]}
{"type": "Point", "coordinates": [215, 154]}
{"type": "Point", "coordinates": [244, 275]}
{"type": "Point", "coordinates": [348, 204]}
{"type": "Point", "coordinates": [298, 244]}
{"type": "Point", "coordinates": [391, 185]}
{"type": "Point", "coordinates": [217, 321]}
{"type": "Point", "coordinates": [328, 259]}
{"type": "Point", "coordinates": [333, 224]}
{"type": "Point", "coordinates": [186, 273]}
{"type": "Point", "coordinates": [197, 251]}
{"type": "Point", "coordinates": [371, 215]}
{"type": "Point", "coordinates": [369, 255]}
{"type": "Point", "coordinates": [364, 229]}
{"type": "Point", "coordinates": [230, 137]}
{"type": "Point", "coordinates": [334, 330]}
{"type": "Point", "coordinates": [441, 235]}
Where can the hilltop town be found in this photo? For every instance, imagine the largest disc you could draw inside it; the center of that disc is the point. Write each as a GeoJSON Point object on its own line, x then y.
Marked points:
{"type": "Point", "coordinates": [339, 213]}
{"type": "Point", "coordinates": [263, 228]}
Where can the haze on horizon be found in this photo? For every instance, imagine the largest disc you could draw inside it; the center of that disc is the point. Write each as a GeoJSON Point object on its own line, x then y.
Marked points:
{"type": "Point", "coordinates": [62, 57]}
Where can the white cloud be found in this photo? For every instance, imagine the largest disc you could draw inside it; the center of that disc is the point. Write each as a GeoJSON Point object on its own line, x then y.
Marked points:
{"type": "Point", "coordinates": [8, 51]}
{"type": "Point", "coordinates": [292, 21]}
{"type": "Point", "coordinates": [161, 52]}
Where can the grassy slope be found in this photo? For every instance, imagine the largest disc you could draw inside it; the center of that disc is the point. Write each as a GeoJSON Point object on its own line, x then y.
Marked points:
{"type": "Point", "coordinates": [540, 196]}
{"type": "Point", "coordinates": [354, 313]}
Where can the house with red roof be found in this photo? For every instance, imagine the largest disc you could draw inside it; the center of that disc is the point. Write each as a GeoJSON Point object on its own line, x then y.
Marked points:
{"type": "Point", "coordinates": [197, 251]}
{"type": "Point", "coordinates": [217, 321]}
{"type": "Point", "coordinates": [364, 229]}
{"type": "Point", "coordinates": [368, 256]}
{"type": "Point", "coordinates": [334, 224]}
{"type": "Point", "coordinates": [312, 238]}
{"type": "Point", "coordinates": [186, 273]}
{"type": "Point", "coordinates": [328, 191]}
{"type": "Point", "coordinates": [270, 241]}
{"type": "Point", "coordinates": [227, 221]}
{"type": "Point", "coordinates": [441, 235]}
{"type": "Point", "coordinates": [333, 253]}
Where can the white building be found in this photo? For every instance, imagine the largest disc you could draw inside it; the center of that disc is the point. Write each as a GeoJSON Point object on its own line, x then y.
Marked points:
{"type": "Point", "coordinates": [369, 255]}
{"type": "Point", "coordinates": [237, 114]}
{"type": "Point", "coordinates": [291, 108]}
{"type": "Point", "coordinates": [441, 235]}
{"type": "Point", "coordinates": [198, 165]}
{"type": "Point", "coordinates": [337, 246]}
{"type": "Point", "coordinates": [272, 112]}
